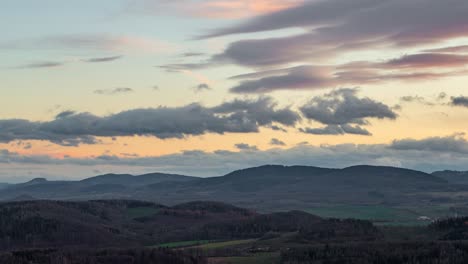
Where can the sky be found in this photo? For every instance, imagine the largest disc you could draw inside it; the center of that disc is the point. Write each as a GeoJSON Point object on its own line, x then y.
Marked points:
{"type": "Point", "coordinates": [204, 87]}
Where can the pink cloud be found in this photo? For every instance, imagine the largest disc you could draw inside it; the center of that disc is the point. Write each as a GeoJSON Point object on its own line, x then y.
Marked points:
{"type": "Point", "coordinates": [241, 8]}
{"type": "Point", "coordinates": [219, 9]}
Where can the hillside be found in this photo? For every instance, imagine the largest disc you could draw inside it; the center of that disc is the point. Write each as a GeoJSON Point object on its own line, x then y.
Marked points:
{"type": "Point", "coordinates": [124, 231]}
{"type": "Point", "coordinates": [124, 223]}
{"type": "Point", "coordinates": [271, 188]}
{"type": "Point", "coordinates": [456, 177]}
{"type": "Point", "coordinates": [298, 187]}
{"type": "Point", "coordinates": [140, 180]}
{"type": "Point", "coordinates": [108, 186]}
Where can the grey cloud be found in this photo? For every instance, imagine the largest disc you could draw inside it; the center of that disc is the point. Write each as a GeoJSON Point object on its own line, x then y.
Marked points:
{"type": "Point", "coordinates": [277, 128]}
{"type": "Point", "coordinates": [192, 54]}
{"type": "Point", "coordinates": [64, 114]}
{"type": "Point", "coordinates": [95, 42]}
{"type": "Point", "coordinates": [264, 110]}
{"type": "Point", "coordinates": [452, 49]}
{"type": "Point", "coordinates": [71, 129]}
{"type": "Point", "coordinates": [430, 101]}
{"type": "Point", "coordinates": [337, 130]}
{"type": "Point", "coordinates": [342, 107]}
{"type": "Point", "coordinates": [201, 87]}
{"type": "Point", "coordinates": [277, 142]}
{"type": "Point", "coordinates": [460, 101]}
{"type": "Point", "coordinates": [342, 112]}
{"type": "Point", "coordinates": [399, 21]}
{"type": "Point", "coordinates": [454, 144]}
{"type": "Point", "coordinates": [426, 60]}
{"type": "Point", "coordinates": [441, 96]}
{"type": "Point", "coordinates": [246, 147]}
{"type": "Point", "coordinates": [39, 65]}
{"type": "Point", "coordinates": [310, 77]}
{"type": "Point", "coordinates": [301, 16]}
{"type": "Point", "coordinates": [18, 129]}
{"type": "Point", "coordinates": [75, 142]}
{"type": "Point", "coordinates": [171, 68]}
{"type": "Point", "coordinates": [416, 99]}
{"type": "Point", "coordinates": [336, 26]}
{"type": "Point", "coordinates": [27, 146]}
{"type": "Point", "coordinates": [103, 59]}
{"type": "Point", "coordinates": [114, 91]}
{"type": "Point", "coordinates": [23, 145]}
{"type": "Point", "coordinates": [221, 162]}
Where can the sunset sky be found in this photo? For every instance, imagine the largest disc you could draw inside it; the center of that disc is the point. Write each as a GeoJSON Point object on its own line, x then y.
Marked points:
{"type": "Point", "coordinates": [203, 87]}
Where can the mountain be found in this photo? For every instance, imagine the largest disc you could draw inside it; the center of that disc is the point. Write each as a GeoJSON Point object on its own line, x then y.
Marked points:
{"type": "Point", "coordinates": [106, 186]}
{"type": "Point", "coordinates": [274, 187]}
{"type": "Point", "coordinates": [457, 177]}
{"type": "Point", "coordinates": [140, 180]}
{"type": "Point", "coordinates": [265, 188]}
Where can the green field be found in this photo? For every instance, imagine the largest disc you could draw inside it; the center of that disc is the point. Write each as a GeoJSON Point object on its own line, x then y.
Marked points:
{"type": "Point", "coordinates": [184, 244]}
{"type": "Point", "coordinates": [138, 212]}
{"type": "Point", "coordinates": [226, 244]}
{"type": "Point", "coordinates": [376, 213]}
{"type": "Point", "coordinates": [205, 244]}
{"type": "Point", "coordinates": [264, 258]}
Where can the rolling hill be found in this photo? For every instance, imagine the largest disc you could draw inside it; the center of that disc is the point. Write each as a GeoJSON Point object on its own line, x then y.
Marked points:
{"type": "Point", "coordinates": [265, 188]}
{"type": "Point", "coordinates": [457, 177]}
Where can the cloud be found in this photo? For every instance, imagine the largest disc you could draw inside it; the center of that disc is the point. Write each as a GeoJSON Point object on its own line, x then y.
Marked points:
{"type": "Point", "coordinates": [55, 64]}
{"type": "Point", "coordinates": [344, 113]}
{"type": "Point", "coordinates": [92, 42]}
{"type": "Point", "coordinates": [441, 96]}
{"type": "Point", "coordinates": [246, 147]}
{"type": "Point", "coordinates": [417, 156]}
{"type": "Point", "coordinates": [277, 128]}
{"type": "Point", "coordinates": [455, 144]}
{"type": "Point", "coordinates": [431, 101]}
{"type": "Point", "coordinates": [64, 114]}
{"type": "Point", "coordinates": [264, 110]}
{"type": "Point", "coordinates": [452, 49]}
{"type": "Point", "coordinates": [337, 130]}
{"type": "Point", "coordinates": [418, 99]}
{"type": "Point", "coordinates": [460, 101]}
{"type": "Point", "coordinates": [103, 59]}
{"type": "Point", "coordinates": [114, 91]}
{"type": "Point", "coordinates": [427, 60]}
{"type": "Point", "coordinates": [214, 9]}
{"type": "Point", "coordinates": [40, 65]}
{"type": "Point", "coordinates": [331, 28]}
{"type": "Point", "coordinates": [192, 54]}
{"type": "Point", "coordinates": [277, 142]}
{"type": "Point", "coordinates": [309, 77]}
{"type": "Point", "coordinates": [24, 145]}
{"type": "Point", "coordinates": [71, 129]}
{"type": "Point", "coordinates": [397, 22]}
{"type": "Point", "coordinates": [202, 87]}
{"type": "Point", "coordinates": [179, 67]}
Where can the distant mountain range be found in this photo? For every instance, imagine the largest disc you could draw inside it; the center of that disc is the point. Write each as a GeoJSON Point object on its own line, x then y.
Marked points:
{"type": "Point", "coordinates": [268, 188]}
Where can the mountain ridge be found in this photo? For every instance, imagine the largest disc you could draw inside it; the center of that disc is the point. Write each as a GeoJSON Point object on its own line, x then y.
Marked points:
{"type": "Point", "coordinates": [268, 187]}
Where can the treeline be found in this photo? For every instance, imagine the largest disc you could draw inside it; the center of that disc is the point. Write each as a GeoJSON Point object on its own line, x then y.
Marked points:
{"type": "Point", "coordinates": [122, 256]}
{"type": "Point", "coordinates": [309, 228]}
{"type": "Point", "coordinates": [452, 228]}
{"type": "Point", "coordinates": [381, 253]}
{"type": "Point", "coordinates": [341, 230]}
